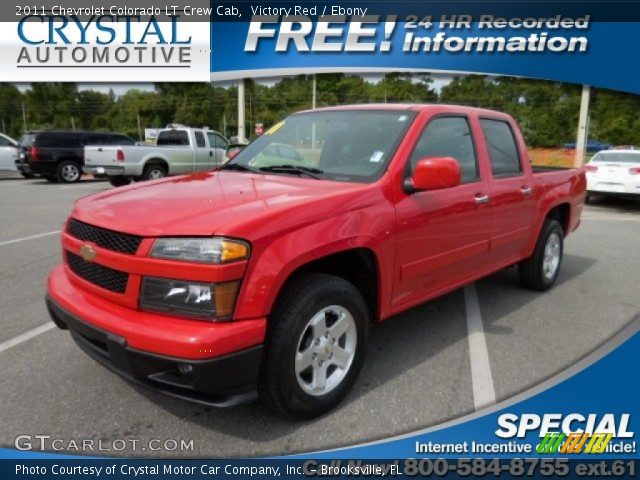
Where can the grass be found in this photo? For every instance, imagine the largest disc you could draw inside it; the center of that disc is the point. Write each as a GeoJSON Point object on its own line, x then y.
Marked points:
{"type": "Point", "coordinates": [550, 157]}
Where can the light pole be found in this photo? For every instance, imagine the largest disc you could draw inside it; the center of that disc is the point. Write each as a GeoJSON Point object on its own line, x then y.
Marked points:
{"type": "Point", "coordinates": [241, 128]}
{"type": "Point", "coordinates": [583, 120]}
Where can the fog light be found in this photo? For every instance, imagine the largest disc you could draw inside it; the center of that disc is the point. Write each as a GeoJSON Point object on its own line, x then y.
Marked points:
{"type": "Point", "coordinates": [185, 369]}
{"type": "Point", "coordinates": [206, 301]}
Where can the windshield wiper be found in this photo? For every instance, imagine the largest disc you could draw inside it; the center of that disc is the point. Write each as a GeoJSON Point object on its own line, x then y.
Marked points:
{"type": "Point", "coordinates": [308, 171]}
{"type": "Point", "coordinates": [239, 167]}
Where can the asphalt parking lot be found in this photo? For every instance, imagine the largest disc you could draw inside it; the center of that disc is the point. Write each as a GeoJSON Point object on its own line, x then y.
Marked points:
{"type": "Point", "coordinates": [419, 365]}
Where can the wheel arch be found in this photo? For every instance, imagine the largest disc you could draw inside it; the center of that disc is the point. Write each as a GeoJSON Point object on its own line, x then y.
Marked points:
{"type": "Point", "coordinates": [562, 214]}
{"type": "Point", "coordinates": [156, 160]}
{"type": "Point", "coordinates": [263, 287]}
{"type": "Point", "coordinates": [358, 266]}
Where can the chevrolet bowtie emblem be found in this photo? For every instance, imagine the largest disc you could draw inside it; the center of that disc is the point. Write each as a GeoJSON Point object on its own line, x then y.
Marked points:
{"type": "Point", "coordinates": [88, 253]}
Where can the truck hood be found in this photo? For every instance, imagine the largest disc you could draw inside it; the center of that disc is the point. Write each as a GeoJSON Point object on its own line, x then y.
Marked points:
{"type": "Point", "coordinates": [208, 203]}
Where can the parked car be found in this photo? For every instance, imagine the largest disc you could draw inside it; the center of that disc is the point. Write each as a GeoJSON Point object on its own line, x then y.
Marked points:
{"type": "Point", "coordinates": [206, 285]}
{"type": "Point", "coordinates": [614, 172]}
{"type": "Point", "coordinates": [178, 150]}
{"type": "Point", "coordinates": [58, 155]}
{"type": "Point", "coordinates": [592, 146]}
{"type": "Point", "coordinates": [8, 154]}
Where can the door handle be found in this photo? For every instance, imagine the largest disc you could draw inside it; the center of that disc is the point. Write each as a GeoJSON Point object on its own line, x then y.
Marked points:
{"type": "Point", "coordinates": [211, 153]}
{"type": "Point", "coordinates": [481, 199]}
{"type": "Point", "coordinates": [526, 190]}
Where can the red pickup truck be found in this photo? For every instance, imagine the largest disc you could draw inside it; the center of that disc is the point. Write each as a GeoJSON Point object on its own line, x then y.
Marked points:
{"type": "Point", "coordinates": [265, 274]}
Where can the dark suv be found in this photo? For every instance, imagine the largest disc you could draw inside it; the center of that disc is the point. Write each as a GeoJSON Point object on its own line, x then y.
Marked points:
{"type": "Point", "coordinates": [58, 155]}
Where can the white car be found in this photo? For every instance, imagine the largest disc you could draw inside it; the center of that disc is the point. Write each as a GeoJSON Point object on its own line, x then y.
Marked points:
{"type": "Point", "coordinates": [8, 154]}
{"type": "Point", "coordinates": [614, 172]}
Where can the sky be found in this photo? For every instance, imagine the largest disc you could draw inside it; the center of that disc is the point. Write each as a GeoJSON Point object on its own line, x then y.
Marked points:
{"type": "Point", "coordinates": [439, 80]}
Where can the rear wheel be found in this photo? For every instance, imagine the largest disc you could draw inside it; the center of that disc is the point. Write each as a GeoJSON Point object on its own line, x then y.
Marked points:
{"type": "Point", "coordinates": [119, 181]}
{"type": "Point", "coordinates": [540, 270]}
{"type": "Point", "coordinates": [69, 172]}
{"type": "Point", "coordinates": [315, 346]}
{"type": "Point", "coordinates": [154, 171]}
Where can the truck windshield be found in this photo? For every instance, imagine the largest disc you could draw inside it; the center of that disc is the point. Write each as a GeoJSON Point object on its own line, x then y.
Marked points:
{"type": "Point", "coordinates": [342, 145]}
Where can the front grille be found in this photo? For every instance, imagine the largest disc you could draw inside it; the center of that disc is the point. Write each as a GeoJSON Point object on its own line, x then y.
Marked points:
{"type": "Point", "coordinates": [105, 277]}
{"type": "Point", "coordinates": [119, 242]}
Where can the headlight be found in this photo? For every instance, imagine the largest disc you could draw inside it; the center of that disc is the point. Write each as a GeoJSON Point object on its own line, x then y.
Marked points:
{"type": "Point", "coordinates": [205, 301]}
{"type": "Point", "coordinates": [205, 250]}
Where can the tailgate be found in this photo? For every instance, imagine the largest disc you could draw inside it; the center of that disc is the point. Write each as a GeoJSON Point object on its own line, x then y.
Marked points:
{"type": "Point", "coordinates": [101, 156]}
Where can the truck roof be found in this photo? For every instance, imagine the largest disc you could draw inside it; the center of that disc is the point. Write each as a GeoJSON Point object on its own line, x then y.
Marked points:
{"type": "Point", "coordinates": [177, 126]}
{"type": "Point", "coordinates": [415, 107]}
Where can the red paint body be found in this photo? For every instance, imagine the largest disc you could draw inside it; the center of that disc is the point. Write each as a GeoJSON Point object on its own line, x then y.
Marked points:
{"type": "Point", "coordinates": [425, 244]}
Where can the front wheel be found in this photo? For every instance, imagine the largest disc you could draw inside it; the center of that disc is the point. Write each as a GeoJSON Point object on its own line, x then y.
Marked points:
{"type": "Point", "coordinates": [540, 270]}
{"type": "Point", "coordinates": [315, 346]}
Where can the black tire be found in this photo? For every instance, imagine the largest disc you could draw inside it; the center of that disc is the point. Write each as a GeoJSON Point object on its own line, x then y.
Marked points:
{"type": "Point", "coordinates": [301, 300]}
{"type": "Point", "coordinates": [154, 171]}
{"type": "Point", "coordinates": [119, 181]}
{"type": "Point", "coordinates": [51, 178]}
{"type": "Point", "coordinates": [532, 271]}
{"type": "Point", "coordinates": [68, 172]}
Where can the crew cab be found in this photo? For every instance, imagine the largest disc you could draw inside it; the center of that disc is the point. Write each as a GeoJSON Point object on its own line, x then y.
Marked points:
{"type": "Point", "coordinates": [178, 150]}
{"type": "Point", "coordinates": [264, 276]}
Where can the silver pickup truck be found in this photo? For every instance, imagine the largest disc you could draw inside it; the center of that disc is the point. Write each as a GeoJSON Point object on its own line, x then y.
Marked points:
{"type": "Point", "coordinates": [178, 150]}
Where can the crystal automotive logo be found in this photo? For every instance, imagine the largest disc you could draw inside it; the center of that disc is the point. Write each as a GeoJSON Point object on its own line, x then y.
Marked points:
{"type": "Point", "coordinates": [102, 41]}
{"type": "Point", "coordinates": [573, 433]}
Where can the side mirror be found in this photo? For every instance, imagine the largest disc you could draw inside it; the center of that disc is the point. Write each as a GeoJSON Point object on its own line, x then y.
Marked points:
{"type": "Point", "coordinates": [433, 173]}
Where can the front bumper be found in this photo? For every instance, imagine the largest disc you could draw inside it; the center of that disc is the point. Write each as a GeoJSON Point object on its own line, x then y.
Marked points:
{"type": "Point", "coordinates": [220, 360]}
{"type": "Point", "coordinates": [223, 381]}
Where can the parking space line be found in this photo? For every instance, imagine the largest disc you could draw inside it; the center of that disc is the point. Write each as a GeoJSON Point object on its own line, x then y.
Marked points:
{"type": "Point", "coordinates": [31, 237]}
{"type": "Point", "coordinates": [26, 336]}
{"type": "Point", "coordinates": [481, 379]}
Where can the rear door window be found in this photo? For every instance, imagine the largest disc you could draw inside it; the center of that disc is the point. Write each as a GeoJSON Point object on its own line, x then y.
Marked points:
{"type": "Point", "coordinates": [502, 146]}
{"type": "Point", "coordinates": [200, 140]}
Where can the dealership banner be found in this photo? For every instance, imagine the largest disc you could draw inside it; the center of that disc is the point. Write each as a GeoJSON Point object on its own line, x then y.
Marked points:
{"type": "Point", "coordinates": [326, 38]}
{"type": "Point", "coordinates": [580, 421]}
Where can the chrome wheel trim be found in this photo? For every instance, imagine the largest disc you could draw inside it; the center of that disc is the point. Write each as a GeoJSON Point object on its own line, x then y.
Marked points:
{"type": "Point", "coordinates": [70, 173]}
{"type": "Point", "coordinates": [551, 259]}
{"type": "Point", "coordinates": [326, 349]}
